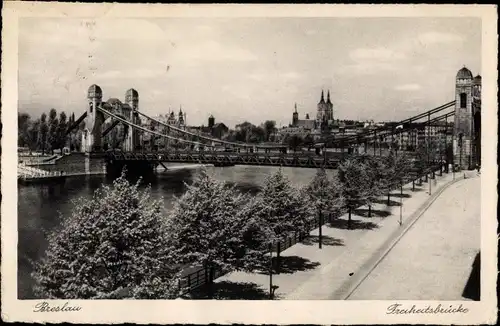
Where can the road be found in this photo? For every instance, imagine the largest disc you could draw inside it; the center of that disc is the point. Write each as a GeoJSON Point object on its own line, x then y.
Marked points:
{"type": "Point", "coordinates": [434, 259]}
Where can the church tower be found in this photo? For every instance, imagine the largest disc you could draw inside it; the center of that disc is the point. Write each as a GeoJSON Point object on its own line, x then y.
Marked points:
{"type": "Point", "coordinates": [295, 117]}
{"type": "Point", "coordinates": [329, 107]}
{"type": "Point", "coordinates": [181, 118]}
{"type": "Point", "coordinates": [320, 115]}
{"type": "Point", "coordinates": [462, 144]}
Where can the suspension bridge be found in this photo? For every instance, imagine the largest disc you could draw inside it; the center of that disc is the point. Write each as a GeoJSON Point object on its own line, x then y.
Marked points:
{"type": "Point", "coordinates": [452, 130]}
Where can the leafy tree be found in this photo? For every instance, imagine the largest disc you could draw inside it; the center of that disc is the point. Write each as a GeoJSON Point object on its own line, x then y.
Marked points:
{"type": "Point", "coordinates": [33, 134]}
{"type": "Point", "coordinates": [269, 128]}
{"type": "Point", "coordinates": [113, 245]}
{"type": "Point", "coordinates": [23, 126]}
{"type": "Point", "coordinates": [294, 141]}
{"type": "Point", "coordinates": [254, 234]}
{"type": "Point", "coordinates": [379, 176]}
{"type": "Point", "coordinates": [205, 224]}
{"type": "Point", "coordinates": [353, 175]}
{"type": "Point", "coordinates": [308, 141]}
{"type": "Point", "coordinates": [43, 133]}
{"type": "Point", "coordinates": [61, 131]}
{"type": "Point", "coordinates": [324, 195]}
{"type": "Point", "coordinates": [285, 208]}
{"type": "Point", "coordinates": [53, 124]}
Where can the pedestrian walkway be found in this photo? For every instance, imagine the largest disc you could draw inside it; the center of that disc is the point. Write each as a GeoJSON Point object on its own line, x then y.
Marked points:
{"type": "Point", "coordinates": [308, 272]}
{"type": "Point", "coordinates": [434, 259]}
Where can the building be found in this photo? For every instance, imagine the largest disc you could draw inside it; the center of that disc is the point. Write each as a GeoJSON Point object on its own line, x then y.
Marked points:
{"type": "Point", "coordinates": [179, 122]}
{"type": "Point", "coordinates": [306, 123]}
{"type": "Point", "coordinates": [324, 114]}
{"type": "Point", "coordinates": [217, 130]}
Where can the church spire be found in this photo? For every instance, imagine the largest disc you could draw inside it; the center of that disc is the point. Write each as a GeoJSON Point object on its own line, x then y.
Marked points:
{"type": "Point", "coordinates": [295, 107]}
{"type": "Point", "coordinates": [328, 97]}
{"type": "Point", "coordinates": [322, 97]}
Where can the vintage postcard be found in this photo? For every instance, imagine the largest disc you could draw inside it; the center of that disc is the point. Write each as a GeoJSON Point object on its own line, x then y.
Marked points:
{"type": "Point", "coordinates": [249, 164]}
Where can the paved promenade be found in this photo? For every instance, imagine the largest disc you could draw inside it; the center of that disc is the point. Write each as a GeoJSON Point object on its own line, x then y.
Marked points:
{"type": "Point", "coordinates": [433, 261]}
{"type": "Point", "coordinates": [347, 256]}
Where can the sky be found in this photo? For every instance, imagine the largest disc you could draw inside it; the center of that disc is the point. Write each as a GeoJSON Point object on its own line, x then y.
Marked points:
{"type": "Point", "coordinates": [248, 69]}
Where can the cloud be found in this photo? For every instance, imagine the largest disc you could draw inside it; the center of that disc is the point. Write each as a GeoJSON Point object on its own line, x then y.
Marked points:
{"type": "Point", "coordinates": [430, 38]}
{"type": "Point", "coordinates": [379, 53]}
{"type": "Point", "coordinates": [367, 68]}
{"type": "Point", "coordinates": [214, 51]}
{"type": "Point", "coordinates": [408, 87]}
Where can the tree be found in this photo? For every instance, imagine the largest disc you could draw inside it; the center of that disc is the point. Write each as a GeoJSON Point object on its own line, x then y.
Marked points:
{"type": "Point", "coordinates": [294, 141]}
{"type": "Point", "coordinates": [23, 126]}
{"type": "Point", "coordinates": [205, 224]}
{"type": "Point", "coordinates": [33, 134]}
{"type": "Point", "coordinates": [43, 133]}
{"type": "Point", "coordinates": [269, 128]}
{"type": "Point", "coordinates": [353, 176]}
{"type": "Point", "coordinates": [53, 124]}
{"type": "Point", "coordinates": [324, 196]}
{"type": "Point", "coordinates": [254, 234]}
{"type": "Point", "coordinates": [111, 246]}
{"type": "Point", "coordinates": [308, 141]}
{"type": "Point", "coordinates": [379, 175]}
{"type": "Point", "coordinates": [285, 208]}
{"type": "Point", "coordinates": [61, 131]}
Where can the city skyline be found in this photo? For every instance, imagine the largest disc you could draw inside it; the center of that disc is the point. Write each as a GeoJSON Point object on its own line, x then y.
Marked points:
{"type": "Point", "coordinates": [375, 68]}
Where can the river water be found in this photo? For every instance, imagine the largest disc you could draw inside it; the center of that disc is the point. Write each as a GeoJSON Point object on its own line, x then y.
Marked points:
{"type": "Point", "coordinates": [42, 206]}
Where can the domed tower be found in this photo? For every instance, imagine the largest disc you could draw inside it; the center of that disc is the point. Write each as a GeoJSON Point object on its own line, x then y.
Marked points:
{"type": "Point", "coordinates": [211, 121]}
{"type": "Point", "coordinates": [462, 147]}
{"type": "Point", "coordinates": [94, 120]}
{"type": "Point", "coordinates": [295, 117]}
{"type": "Point", "coordinates": [476, 118]}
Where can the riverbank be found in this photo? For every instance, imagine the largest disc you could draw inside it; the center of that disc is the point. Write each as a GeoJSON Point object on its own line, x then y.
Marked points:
{"type": "Point", "coordinates": [307, 272]}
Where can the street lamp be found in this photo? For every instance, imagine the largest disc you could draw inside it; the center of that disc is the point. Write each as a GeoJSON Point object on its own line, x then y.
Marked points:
{"type": "Point", "coordinates": [271, 291]}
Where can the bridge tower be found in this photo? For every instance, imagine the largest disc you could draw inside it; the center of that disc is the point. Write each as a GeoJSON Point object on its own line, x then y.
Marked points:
{"type": "Point", "coordinates": [463, 144]}
{"type": "Point", "coordinates": [92, 135]}
{"type": "Point", "coordinates": [132, 137]}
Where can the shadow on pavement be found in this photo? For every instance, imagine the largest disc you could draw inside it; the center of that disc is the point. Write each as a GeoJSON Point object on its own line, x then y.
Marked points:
{"type": "Point", "coordinates": [288, 265]}
{"type": "Point", "coordinates": [292, 264]}
{"type": "Point", "coordinates": [472, 289]}
{"type": "Point", "coordinates": [398, 195]}
{"type": "Point", "coordinates": [326, 240]}
{"type": "Point", "coordinates": [230, 291]}
{"type": "Point", "coordinates": [375, 212]}
{"type": "Point", "coordinates": [384, 201]}
{"type": "Point", "coordinates": [355, 225]}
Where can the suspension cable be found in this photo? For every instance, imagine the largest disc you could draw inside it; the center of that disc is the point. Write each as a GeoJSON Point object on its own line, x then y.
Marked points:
{"type": "Point", "coordinates": [215, 140]}
{"type": "Point", "coordinates": [147, 130]}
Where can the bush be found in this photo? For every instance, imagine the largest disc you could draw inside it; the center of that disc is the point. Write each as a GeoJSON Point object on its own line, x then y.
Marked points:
{"type": "Point", "coordinates": [112, 246]}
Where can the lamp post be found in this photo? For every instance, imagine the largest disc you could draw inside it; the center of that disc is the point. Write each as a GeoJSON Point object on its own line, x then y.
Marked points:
{"type": "Point", "coordinates": [401, 206]}
{"type": "Point", "coordinates": [271, 291]}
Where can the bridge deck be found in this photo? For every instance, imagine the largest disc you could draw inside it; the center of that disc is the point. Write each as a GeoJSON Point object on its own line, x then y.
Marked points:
{"type": "Point", "coordinates": [298, 159]}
